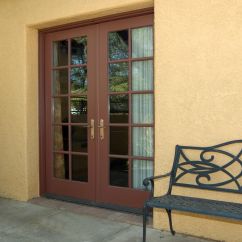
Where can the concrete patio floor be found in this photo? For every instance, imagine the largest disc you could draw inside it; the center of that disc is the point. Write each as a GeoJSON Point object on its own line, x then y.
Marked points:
{"type": "Point", "coordinates": [46, 220]}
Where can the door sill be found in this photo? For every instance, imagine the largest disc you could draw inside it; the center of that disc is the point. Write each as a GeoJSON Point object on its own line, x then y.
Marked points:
{"type": "Point", "coordinates": [118, 208]}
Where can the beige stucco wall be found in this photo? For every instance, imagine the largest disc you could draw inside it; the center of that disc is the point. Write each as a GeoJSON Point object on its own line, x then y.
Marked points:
{"type": "Point", "coordinates": [19, 22]}
{"type": "Point", "coordinates": [198, 81]}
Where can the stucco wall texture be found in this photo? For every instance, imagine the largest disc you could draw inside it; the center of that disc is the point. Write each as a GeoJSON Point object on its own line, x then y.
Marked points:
{"type": "Point", "coordinates": [198, 85]}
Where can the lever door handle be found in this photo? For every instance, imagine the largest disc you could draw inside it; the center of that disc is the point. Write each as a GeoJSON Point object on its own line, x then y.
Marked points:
{"type": "Point", "coordinates": [92, 128]}
{"type": "Point", "coordinates": [101, 129]}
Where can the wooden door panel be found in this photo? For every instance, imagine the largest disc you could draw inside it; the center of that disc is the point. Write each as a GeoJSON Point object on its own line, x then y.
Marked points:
{"type": "Point", "coordinates": [116, 158]}
{"type": "Point", "coordinates": [69, 146]}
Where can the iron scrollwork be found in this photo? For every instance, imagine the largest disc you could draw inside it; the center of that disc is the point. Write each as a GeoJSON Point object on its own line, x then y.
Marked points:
{"type": "Point", "coordinates": [207, 168]}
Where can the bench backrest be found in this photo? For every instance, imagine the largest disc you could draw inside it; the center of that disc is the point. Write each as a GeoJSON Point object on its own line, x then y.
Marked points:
{"type": "Point", "coordinates": [217, 167]}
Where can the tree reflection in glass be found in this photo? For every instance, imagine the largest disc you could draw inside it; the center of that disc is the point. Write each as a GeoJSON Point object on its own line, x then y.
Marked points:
{"type": "Point", "coordinates": [79, 50]}
{"type": "Point", "coordinates": [79, 80]}
{"type": "Point", "coordinates": [60, 53]}
{"type": "Point", "coordinates": [118, 44]}
{"type": "Point", "coordinates": [119, 108]}
{"type": "Point", "coordinates": [118, 77]}
{"type": "Point", "coordinates": [79, 109]}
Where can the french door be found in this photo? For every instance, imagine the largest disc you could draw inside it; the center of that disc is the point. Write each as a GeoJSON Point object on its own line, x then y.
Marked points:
{"type": "Point", "coordinates": [99, 111]}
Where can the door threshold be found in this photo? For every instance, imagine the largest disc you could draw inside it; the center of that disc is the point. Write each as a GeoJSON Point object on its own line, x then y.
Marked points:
{"type": "Point", "coordinates": [137, 211]}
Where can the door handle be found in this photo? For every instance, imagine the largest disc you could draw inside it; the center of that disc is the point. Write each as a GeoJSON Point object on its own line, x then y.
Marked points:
{"type": "Point", "coordinates": [101, 127]}
{"type": "Point", "coordinates": [92, 128]}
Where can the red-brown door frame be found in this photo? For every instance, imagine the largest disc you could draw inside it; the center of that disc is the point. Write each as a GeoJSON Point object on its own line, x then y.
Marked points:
{"type": "Point", "coordinates": [42, 104]}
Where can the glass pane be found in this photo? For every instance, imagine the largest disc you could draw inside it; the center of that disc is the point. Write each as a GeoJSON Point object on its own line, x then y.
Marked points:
{"type": "Point", "coordinates": [60, 53]}
{"type": "Point", "coordinates": [60, 82]}
{"type": "Point", "coordinates": [119, 108]}
{"type": "Point", "coordinates": [79, 139]}
{"type": "Point", "coordinates": [61, 110]}
{"type": "Point", "coordinates": [142, 42]}
{"type": "Point", "coordinates": [119, 172]}
{"type": "Point", "coordinates": [61, 166]}
{"type": "Point", "coordinates": [78, 80]}
{"type": "Point", "coordinates": [79, 168]}
{"type": "Point", "coordinates": [118, 140]}
{"type": "Point", "coordinates": [118, 44]}
{"type": "Point", "coordinates": [118, 77]}
{"type": "Point", "coordinates": [79, 50]}
{"type": "Point", "coordinates": [142, 75]}
{"type": "Point", "coordinates": [79, 110]}
{"type": "Point", "coordinates": [140, 170]}
{"type": "Point", "coordinates": [142, 141]}
{"type": "Point", "coordinates": [142, 108]}
{"type": "Point", "coordinates": [60, 138]}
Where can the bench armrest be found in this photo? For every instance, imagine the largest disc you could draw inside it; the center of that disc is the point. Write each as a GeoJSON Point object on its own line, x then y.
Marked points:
{"type": "Point", "coordinates": [150, 180]}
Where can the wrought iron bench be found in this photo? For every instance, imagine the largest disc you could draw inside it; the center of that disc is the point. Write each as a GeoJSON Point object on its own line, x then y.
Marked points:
{"type": "Point", "coordinates": [217, 168]}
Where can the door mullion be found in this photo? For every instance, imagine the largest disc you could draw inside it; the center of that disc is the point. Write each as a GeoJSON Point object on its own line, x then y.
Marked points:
{"type": "Point", "coordinates": [130, 108]}
{"type": "Point", "coordinates": [69, 108]}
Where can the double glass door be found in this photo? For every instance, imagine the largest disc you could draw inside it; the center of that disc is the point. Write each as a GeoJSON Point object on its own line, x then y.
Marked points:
{"type": "Point", "coordinates": [99, 111]}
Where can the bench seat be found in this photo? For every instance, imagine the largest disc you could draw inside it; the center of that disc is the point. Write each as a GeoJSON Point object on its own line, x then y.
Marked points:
{"type": "Point", "coordinates": [197, 205]}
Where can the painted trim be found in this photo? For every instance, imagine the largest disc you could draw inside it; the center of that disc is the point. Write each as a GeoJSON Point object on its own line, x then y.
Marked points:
{"type": "Point", "coordinates": [41, 107]}
{"type": "Point", "coordinates": [108, 18]}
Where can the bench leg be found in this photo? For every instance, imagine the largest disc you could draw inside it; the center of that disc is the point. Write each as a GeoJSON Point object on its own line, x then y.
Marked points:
{"type": "Point", "coordinates": [145, 214]}
{"type": "Point", "coordinates": [170, 221]}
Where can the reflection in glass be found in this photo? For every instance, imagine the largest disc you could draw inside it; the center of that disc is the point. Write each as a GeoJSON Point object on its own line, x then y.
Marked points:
{"type": "Point", "coordinates": [60, 110]}
{"type": "Point", "coordinates": [60, 53]}
{"type": "Point", "coordinates": [142, 42]}
{"type": "Point", "coordinates": [118, 45]}
{"type": "Point", "coordinates": [118, 140]}
{"type": "Point", "coordinates": [79, 109]}
{"type": "Point", "coordinates": [118, 77]}
{"type": "Point", "coordinates": [79, 139]}
{"type": "Point", "coordinates": [142, 75]}
{"type": "Point", "coordinates": [60, 137]}
{"type": "Point", "coordinates": [61, 165]}
{"type": "Point", "coordinates": [60, 82]}
{"type": "Point", "coordinates": [142, 141]}
{"type": "Point", "coordinates": [78, 80]}
{"type": "Point", "coordinates": [119, 172]}
{"type": "Point", "coordinates": [79, 168]}
{"type": "Point", "coordinates": [79, 50]}
{"type": "Point", "coordinates": [140, 170]}
{"type": "Point", "coordinates": [142, 108]}
{"type": "Point", "coordinates": [119, 108]}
